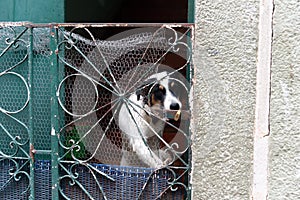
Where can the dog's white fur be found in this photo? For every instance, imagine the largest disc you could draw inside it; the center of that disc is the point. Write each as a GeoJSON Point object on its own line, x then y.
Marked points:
{"type": "Point", "coordinates": [138, 126]}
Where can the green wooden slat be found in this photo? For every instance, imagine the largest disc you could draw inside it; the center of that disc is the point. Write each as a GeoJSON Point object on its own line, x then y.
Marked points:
{"type": "Point", "coordinates": [191, 11]}
{"type": "Point", "coordinates": [37, 11]}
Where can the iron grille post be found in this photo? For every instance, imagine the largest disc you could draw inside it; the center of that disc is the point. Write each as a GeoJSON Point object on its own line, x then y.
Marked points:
{"type": "Point", "coordinates": [54, 114]}
{"type": "Point", "coordinates": [30, 106]}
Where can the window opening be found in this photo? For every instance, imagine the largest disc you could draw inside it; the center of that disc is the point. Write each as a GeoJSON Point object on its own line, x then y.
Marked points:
{"type": "Point", "coordinates": [105, 72]}
{"type": "Point", "coordinates": [117, 114]}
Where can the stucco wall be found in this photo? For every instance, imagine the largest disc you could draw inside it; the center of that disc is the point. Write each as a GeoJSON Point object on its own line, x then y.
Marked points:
{"type": "Point", "coordinates": [224, 99]}
{"type": "Point", "coordinates": [284, 157]}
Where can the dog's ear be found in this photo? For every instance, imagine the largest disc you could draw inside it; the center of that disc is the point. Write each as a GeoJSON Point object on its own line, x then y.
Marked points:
{"type": "Point", "coordinates": [138, 94]}
{"type": "Point", "coordinates": [157, 94]}
{"type": "Point", "coordinates": [144, 89]}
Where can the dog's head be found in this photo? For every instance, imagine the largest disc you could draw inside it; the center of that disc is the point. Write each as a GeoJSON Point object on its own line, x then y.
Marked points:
{"type": "Point", "coordinates": [156, 91]}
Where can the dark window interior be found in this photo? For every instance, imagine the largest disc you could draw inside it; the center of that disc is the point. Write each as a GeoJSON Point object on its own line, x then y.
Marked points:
{"type": "Point", "coordinates": [127, 11]}
{"type": "Point", "coordinates": [130, 11]}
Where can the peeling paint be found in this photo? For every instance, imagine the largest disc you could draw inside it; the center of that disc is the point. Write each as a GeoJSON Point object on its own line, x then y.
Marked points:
{"type": "Point", "coordinates": [53, 131]}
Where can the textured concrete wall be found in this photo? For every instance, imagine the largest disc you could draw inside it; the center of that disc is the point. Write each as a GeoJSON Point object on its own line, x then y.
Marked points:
{"type": "Point", "coordinates": [224, 99]}
{"type": "Point", "coordinates": [284, 158]}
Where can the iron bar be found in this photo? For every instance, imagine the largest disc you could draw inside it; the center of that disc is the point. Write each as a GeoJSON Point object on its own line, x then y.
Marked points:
{"type": "Point", "coordinates": [54, 116]}
{"type": "Point", "coordinates": [96, 25]}
{"type": "Point", "coordinates": [13, 42]}
{"type": "Point", "coordinates": [189, 77]}
{"type": "Point", "coordinates": [30, 110]}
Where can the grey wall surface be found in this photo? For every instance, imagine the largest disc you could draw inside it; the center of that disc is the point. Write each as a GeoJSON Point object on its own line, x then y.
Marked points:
{"type": "Point", "coordinates": [224, 98]}
{"type": "Point", "coordinates": [284, 157]}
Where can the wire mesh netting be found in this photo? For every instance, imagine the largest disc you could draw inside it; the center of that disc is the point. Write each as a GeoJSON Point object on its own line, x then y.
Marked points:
{"type": "Point", "coordinates": [14, 98]}
{"type": "Point", "coordinates": [123, 111]}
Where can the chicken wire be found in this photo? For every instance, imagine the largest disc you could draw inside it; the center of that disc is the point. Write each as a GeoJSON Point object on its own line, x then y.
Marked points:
{"type": "Point", "coordinates": [92, 73]}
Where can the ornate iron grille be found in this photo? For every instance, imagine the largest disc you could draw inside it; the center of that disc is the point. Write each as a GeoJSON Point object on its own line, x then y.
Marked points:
{"type": "Point", "coordinates": [79, 116]}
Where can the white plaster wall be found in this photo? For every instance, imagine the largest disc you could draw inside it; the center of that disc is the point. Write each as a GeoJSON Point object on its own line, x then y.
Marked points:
{"type": "Point", "coordinates": [224, 99]}
{"type": "Point", "coordinates": [284, 157]}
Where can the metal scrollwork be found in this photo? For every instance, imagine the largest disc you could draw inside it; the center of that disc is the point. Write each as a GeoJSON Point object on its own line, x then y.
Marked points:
{"type": "Point", "coordinates": [96, 84]}
{"type": "Point", "coordinates": [110, 138]}
{"type": "Point", "coordinates": [14, 152]}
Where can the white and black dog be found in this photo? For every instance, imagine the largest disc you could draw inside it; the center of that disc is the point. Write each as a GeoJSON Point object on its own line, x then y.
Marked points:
{"type": "Point", "coordinates": [142, 120]}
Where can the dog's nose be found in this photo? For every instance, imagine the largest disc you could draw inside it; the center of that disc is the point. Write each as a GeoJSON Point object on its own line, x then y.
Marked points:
{"type": "Point", "coordinates": [174, 106]}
